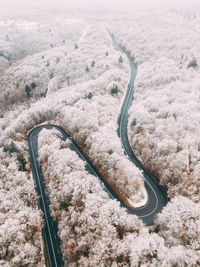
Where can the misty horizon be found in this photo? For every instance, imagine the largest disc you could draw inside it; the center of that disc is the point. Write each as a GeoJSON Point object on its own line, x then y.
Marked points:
{"type": "Point", "coordinates": [126, 5]}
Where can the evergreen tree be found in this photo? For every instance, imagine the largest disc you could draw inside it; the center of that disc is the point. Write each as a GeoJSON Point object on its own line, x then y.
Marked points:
{"type": "Point", "coordinates": [87, 68]}
{"type": "Point", "coordinates": [193, 64]}
{"type": "Point", "coordinates": [114, 90]}
{"type": "Point", "coordinates": [93, 64]}
{"type": "Point", "coordinates": [90, 95]}
{"type": "Point", "coordinates": [22, 162]}
{"type": "Point", "coordinates": [76, 46]}
{"type": "Point", "coordinates": [33, 85]}
{"type": "Point", "coordinates": [43, 94]}
{"type": "Point", "coordinates": [134, 122]}
{"type": "Point", "coordinates": [28, 91]}
{"type": "Point", "coordinates": [120, 59]}
{"type": "Point", "coordinates": [11, 148]}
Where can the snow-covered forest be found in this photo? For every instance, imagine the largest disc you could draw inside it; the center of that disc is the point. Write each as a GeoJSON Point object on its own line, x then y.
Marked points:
{"type": "Point", "coordinates": [164, 121]}
{"type": "Point", "coordinates": [90, 222]}
{"type": "Point", "coordinates": [63, 68]}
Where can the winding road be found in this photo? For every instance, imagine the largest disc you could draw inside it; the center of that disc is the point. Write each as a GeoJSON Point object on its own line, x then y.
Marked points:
{"type": "Point", "coordinates": [157, 197]}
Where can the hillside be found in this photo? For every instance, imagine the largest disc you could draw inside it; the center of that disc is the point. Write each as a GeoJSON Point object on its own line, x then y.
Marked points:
{"type": "Point", "coordinates": [164, 119]}
{"type": "Point", "coordinates": [64, 69]}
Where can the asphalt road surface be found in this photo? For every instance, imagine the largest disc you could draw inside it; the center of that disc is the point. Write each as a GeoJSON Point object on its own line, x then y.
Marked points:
{"type": "Point", "coordinates": [157, 197]}
{"type": "Point", "coordinates": [52, 241]}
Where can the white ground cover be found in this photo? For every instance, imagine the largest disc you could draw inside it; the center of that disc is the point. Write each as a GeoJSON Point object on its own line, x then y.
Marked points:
{"type": "Point", "coordinates": [90, 222]}
{"type": "Point", "coordinates": [45, 62]}
{"type": "Point", "coordinates": [92, 118]}
{"type": "Point", "coordinates": [164, 121]}
{"type": "Point", "coordinates": [94, 230]}
{"type": "Point", "coordinates": [83, 109]}
{"type": "Point", "coordinates": [22, 37]}
{"type": "Point", "coordinates": [20, 219]}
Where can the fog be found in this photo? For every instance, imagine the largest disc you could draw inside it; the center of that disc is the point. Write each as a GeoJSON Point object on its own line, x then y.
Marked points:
{"type": "Point", "coordinates": [125, 5]}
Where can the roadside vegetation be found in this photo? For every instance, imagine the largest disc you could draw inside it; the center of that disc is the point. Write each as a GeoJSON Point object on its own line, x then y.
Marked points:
{"type": "Point", "coordinates": [48, 75]}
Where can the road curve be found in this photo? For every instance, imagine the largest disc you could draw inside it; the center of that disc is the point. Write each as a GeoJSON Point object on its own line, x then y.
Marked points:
{"type": "Point", "coordinates": [52, 241]}
{"type": "Point", "coordinates": [157, 197]}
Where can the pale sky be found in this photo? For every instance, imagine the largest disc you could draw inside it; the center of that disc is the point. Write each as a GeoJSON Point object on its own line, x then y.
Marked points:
{"type": "Point", "coordinates": [117, 4]}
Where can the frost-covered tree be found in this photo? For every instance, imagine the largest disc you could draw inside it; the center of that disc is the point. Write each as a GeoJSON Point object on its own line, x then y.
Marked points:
{"type": "Point", "coordinates": [150, 250]}
{"type": "Point", "coordinates": [20, 219]}
{"type": "Point", "coordinates": [92, 227]}
{"type": "Point", "coordinates": [165, 135]}
{"type": "Point", "coordinates": [179, 223]}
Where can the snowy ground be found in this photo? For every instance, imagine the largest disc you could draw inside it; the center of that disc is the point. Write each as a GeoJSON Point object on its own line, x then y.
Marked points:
{"type": "Point", "coordinates": [164, 120]}
{"type": "Point", "coordinates": [81, 95]}
{"type": "Point", "coordinates": [92, 119]}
